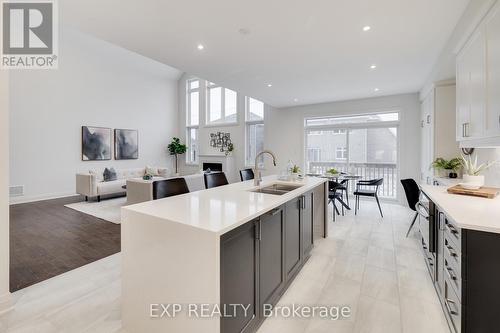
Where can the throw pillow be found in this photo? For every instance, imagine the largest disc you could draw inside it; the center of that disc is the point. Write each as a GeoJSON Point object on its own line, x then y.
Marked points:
{"type": "Point", "coordinates": [163, 172]}
{"type": "Point", "coordinates": [109, 174]}
{"type": "Point", "coordinates": [151, 171]}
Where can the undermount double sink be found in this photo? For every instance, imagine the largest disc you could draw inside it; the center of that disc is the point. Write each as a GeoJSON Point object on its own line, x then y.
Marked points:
{"type": "Point", "coordinates": [276, 189]}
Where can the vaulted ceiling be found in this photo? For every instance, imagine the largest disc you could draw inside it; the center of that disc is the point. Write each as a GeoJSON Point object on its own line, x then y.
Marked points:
{"type": "Point", "coordinates": [309, 51]}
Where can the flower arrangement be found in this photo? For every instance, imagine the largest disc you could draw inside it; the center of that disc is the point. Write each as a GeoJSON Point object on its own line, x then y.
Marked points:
{"type": "Point", "coordinates": [332, 171]}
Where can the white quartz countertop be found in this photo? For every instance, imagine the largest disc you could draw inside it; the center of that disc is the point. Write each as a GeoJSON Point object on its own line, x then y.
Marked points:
{"type": "Point", "coordinates": [223, 208]}
{"type": "Point", "coordinates": [467, 212]}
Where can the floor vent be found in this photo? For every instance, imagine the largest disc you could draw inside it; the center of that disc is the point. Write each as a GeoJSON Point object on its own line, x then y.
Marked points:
{"type": "Point", "coordinates": [16, 191]}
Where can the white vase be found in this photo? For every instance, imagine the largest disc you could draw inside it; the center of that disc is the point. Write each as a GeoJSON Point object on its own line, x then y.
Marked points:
{"type": "Point", "coordinates": [476, 180]}
{"type": "Point", "coordinates": [294, 176]}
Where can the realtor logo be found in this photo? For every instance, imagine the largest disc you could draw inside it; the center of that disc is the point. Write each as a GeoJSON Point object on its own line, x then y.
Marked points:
{"type": "Point", "coordinates": [29, 39]}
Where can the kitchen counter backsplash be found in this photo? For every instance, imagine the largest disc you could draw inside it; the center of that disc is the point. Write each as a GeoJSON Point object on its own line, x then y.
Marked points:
{"type": "Point", "coordinates": [486, 155]}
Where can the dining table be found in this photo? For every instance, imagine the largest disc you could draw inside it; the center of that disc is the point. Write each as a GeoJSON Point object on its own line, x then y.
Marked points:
{"type": "Point", "coordinates": [338, 177]}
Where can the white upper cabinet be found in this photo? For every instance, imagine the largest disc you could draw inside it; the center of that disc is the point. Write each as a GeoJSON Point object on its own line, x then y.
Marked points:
{"type": "Point", "coordinates": [478, 85]}
{"type": "Point", "coordinates": [471, 92]}
{"type": "Point", "coordinates": [492, 33]}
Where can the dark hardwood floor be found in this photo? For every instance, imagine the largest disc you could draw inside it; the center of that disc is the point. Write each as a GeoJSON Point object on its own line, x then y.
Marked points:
{"type": "Point", "coordinates": [48, 239]}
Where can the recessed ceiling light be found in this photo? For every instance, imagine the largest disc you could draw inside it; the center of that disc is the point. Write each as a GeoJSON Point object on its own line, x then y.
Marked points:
{"type": "Point", "coordinates": [269, 85]}
{"type": "Point", "coordinates": [295, 99]}
{"type": "Point", "coordinates": [366, 28]}
{"type": "Point", "coordinates": [244, 31]}
{"type": "Point", "coordinates": [200, 47]}
{"type": "Point", "coordinates": [373, 66]}
{"type": "Point", "coordinates": [376, 89]}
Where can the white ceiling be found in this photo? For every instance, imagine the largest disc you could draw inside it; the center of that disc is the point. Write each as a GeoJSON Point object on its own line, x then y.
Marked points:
{"type": "Point", "coordinates": [314, 51]}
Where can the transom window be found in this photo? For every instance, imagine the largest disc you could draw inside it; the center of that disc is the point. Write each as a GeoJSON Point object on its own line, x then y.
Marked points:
{"type": "Point", "coordinates": [221, 105]}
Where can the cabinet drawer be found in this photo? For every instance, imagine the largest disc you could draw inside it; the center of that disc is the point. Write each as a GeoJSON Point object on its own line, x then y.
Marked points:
{"type": "Point", "coordinates": [429, 259]}
{"type": "Point", "coordinates": [452, 305]}
{"type": "Point", "coordinates": [452, 252]}
{"type": "Point", "coordinates": [454, 234]}
{"type": "Point", "coordinates": [452, 273]}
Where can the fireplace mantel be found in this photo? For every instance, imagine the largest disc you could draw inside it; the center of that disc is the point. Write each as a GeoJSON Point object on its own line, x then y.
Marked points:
{"type": "Point", "coordinates": [228, 165]}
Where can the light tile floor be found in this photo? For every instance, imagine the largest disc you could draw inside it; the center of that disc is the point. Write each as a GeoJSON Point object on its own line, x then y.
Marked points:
{"type": "Point", "coordinates": [365, 263]}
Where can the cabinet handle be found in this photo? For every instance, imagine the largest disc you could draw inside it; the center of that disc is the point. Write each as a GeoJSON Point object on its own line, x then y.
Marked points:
{"type": "Point", "coordinates": [428, 119]}
{"type": "Point", "coordinates": [258, 228]}
{"type": "Point", "coordinates": [451, 274]}
{"type": "Point", "coordinates": [463, 130]}
{"type": "Point", "coordinates": [303, 202]}
{"type": "Point", "coordinates": [452, 230]}
{"type": "Point", "coordinates": [452, 251]}
{"type": "Point", "coordinates": [274, 211]}
{"type": "Point", "coordinates": [448, 306]}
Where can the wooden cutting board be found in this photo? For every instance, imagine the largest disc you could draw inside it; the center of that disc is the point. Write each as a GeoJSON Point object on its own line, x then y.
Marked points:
{"type": "Point", "coordinates": [483, 192]}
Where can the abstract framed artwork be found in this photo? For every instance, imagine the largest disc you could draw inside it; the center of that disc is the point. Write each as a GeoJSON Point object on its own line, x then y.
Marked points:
{"type": "Point", "coordinates": [126, 144]}
{"type": "Point", "coordinates": [96, 143]}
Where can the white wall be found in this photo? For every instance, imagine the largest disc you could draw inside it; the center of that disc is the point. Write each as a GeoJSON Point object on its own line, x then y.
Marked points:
{"type": "Point", "coordinates": [4, 193]}
{"type": "Point", "coordinates": [284, 131]}
{"type": "Point", "coordinates": [97, 84]}
{"type": "Point", "coordinates": [237, 131]}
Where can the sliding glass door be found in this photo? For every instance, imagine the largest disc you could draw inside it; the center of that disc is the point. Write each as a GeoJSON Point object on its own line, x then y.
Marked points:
{"type": "Point", "coordinates": [366, 146]}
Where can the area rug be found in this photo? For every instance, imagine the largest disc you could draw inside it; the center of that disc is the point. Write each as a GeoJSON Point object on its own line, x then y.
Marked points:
{"type": "Point", "coordinates": [109, 210]}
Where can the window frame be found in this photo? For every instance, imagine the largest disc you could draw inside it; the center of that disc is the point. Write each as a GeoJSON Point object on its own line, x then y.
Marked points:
{"type": "Point", "coordinates": [343, 152]}
{"type": "Point", "coordinates": [352, 126]}
{"type": "Point", "coordinates": [210, 85]}
{"type": "Point", "coordinates": [250, 163]}
{"type": "Point", "coordinates": [189, 126]}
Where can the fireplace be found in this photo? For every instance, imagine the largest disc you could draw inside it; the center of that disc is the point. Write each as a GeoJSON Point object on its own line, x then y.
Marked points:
{"type": "Point", "coordinates": [220, 163]}
{"type": "Point", "coordinates": [212, 166]}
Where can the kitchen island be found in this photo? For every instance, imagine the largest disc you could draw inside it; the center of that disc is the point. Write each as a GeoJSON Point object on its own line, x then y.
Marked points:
{"type": "Point", "coordinates": [461, 244]}
{"type": "Point", "coordinates": [209, 261]}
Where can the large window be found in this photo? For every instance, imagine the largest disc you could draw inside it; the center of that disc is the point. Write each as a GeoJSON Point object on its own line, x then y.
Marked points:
{"type": "Point", "coordinates": [221, 105]}
{"type": "Point", "coordinates": [364, 145]}
{"type": "Point", "coordinates": [254, 124]}
{"type": "Point", "coordinates": [192, 120]}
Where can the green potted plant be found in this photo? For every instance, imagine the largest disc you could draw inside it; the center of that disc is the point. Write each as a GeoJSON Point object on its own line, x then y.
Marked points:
{"type": "Point", "coordinates": [450, 167]}
{"type": "Point", "coordinates": [295, 170]}
{"type": "Point", "coordinates": [176, 148]}
{"type": "Point", "coordinates": [230, 149]}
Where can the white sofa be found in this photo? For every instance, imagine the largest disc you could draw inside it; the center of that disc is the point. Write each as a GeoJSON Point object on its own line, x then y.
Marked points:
{"type": "Point", "coordinates": [91, 184]}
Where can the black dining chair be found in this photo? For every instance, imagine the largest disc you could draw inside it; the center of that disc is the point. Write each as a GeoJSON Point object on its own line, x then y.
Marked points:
{"type": "Point", "coordinates": [344, 187]}
{"type": "Point", "coordinates": [215, 179]}
{"type": "Point", "coordinates": [335, 193]}
{"type": "Point", "coordinates": [169, 187]}
{"type": "Point", "coordinates": [368, 188]}
{"type": "Point", "coordinates": [412, 191]}
{"type": "Point", "coordinates": [246, 174]}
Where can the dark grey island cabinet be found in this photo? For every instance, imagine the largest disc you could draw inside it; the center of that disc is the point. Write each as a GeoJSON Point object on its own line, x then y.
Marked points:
{"type": "Point", "coordinates": [466, 275]}
{"type": "Point", "coordinates": [260, 259]}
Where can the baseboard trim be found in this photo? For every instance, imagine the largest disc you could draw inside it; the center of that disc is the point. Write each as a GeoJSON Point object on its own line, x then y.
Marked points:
{"type": "Point", "coordinates": [21, 200]}
{"type": "Point", "coordinates": [6, 303]}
